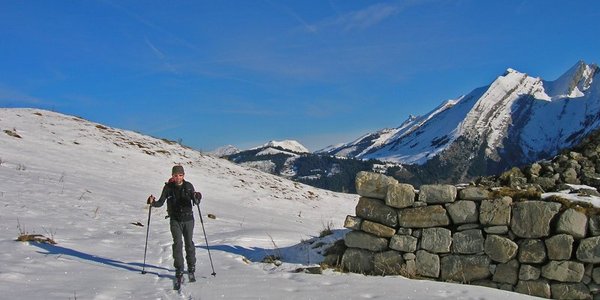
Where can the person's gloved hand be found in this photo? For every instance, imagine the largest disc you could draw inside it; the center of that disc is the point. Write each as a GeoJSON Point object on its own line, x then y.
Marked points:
{"type": "Point", "coordinates": [151, 200]}
{"type": "Point", "coordinates": [197, 197]}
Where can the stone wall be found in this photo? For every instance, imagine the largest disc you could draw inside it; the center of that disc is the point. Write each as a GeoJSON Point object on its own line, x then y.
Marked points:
{"type": "Point", "coordinates": [473, 235]}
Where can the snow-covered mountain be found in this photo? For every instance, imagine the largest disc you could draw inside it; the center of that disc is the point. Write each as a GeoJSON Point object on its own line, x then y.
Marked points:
{"type": "Point", "coordinates": [85, 185]}
{"type": "Point", "coordinates": [285, 145]}
{"type": "Point", "coordinates": [514, 120]}
{"type": "Point", "coordinates": [225, 151]}
{"type": "Point", "coordinates": [274, 157]}
{"type": "Point", "coordinates": [289, 147]}
{"type": "Point", "coordinates": [293, 161]}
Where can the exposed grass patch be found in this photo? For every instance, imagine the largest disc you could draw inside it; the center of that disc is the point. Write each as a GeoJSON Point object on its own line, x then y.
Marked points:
{"type": "Point", "coordinates": [516, 194]}
{"type": "Point", "coordinates": [327, 230]}
{"type": "Point", "coordinates": [165, 152]}
{"type": "Point", "coordinates": [12, 133]}
{"type": "Point", "coordinates": [584, 207]}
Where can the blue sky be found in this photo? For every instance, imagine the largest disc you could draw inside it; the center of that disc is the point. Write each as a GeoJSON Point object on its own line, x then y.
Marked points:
{"type": "Point", "coordinates": [212, 73]}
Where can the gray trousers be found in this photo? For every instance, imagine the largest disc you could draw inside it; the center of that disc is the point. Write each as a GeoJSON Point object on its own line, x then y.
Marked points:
{"type": "Point", "coordinates": [183, 232]}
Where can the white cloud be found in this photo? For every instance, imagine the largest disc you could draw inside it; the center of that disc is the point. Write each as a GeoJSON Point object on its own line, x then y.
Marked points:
{"type": "Point", "coordinates": [155, 50]}
{"type": "Point", "coordinates": [367, 17]}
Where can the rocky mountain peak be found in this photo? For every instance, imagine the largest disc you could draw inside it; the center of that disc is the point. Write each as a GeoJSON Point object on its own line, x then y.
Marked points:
{"type": "Point", "coordinates": [514, 120]}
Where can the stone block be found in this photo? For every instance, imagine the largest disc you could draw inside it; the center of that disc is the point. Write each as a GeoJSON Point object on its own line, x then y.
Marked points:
{"type": "Point", "coordinates": [563, 271]}
{"type": "Point", "coordinates": [596, 275]}
{"type": "Point", "coordinates": [594, 225]}
{"type": "Point", "coordinates": [409, 256]}
{"type": "Point", "coordinates": [377, 229]}
{"type": "Point", "coordinates": [507, 272]}
{"type": "Point", "coordinates": [560, 247]}
{"type": "Point", "coordinates": [529, 272]}
{"type": "Point", "coordinates": [400, 195]}
{"type": "Point", "coordinates": [352, 222]}
{"type": "Point", "coordinates": [373, 185]}
{"type": "Point", "coordinates": [375, 210]}
{"type": "Point", "coordinates": [525, 212]}
{"type": "Point", "coordinates": [436, 240]}
{"type": "Point", "coordinates": [363, 240]}
{"type": "Point", "coordinates": [411, 269]}
{"type": "Point", "coordinates": [463, 211]}
{"type": "Point", "coordinates": [465, 268]}
{"type": "Point", "coordinates": [473, 193]}
{"type": "Point", "coordinates": [500, 249]}
{"type": "Point", "coordinates": [589, 250]}
{"type": "Point", "coordinates": [423, 217]}
{"type": "Point", "coordinates": [572, 222]}
{"type": "Point", "coordinates": [388, 263]}
{"type": "Point", "coordinates": [428, 264]}
{"type": "Point", "coordinates": [404, 243]}
{"type": "Point", "coordinates": [496, 230]}
{"type": "Point", "coordinates": [437, 193]}
{"type": "Point", "coordinates": [468, 242]}
{"type": "Point", "coordinates": [358, 261]}
{"type": "Point", "coordinates": [570, 291]}
{"type": "Point", "coordinates": [417, 233]}
{"type": "Point", "coordinates": [404, 231]}
{"type": "Point", "coordinates": [538, 288]}
{"type": "Point", "coordinates": [546, 183]}
{"type": "Point", "coordinates": [495, 212]}
{"type": "Point", "coordinates": [532, 251]}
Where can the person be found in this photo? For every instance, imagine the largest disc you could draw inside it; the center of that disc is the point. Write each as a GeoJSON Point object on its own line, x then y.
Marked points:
{"type": "Point", "coordinates": [180, 195]}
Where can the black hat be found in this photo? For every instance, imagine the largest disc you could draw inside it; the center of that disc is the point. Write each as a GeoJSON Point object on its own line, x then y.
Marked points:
{"type": "Point", "coordinates": [177, 170]}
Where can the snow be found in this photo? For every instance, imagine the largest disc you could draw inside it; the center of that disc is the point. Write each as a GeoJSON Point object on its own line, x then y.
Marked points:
{"type": "Point", "coordinates": [573, 195]}
{"type": "Point", "coordinates": [84, 184]}
{"type": "Point", "coordinates": [225, 151]}
{"type": "Point", "coordinates": [492, 112]}
{"type": "Point", "coordinates": [274, 151]}
{"type": "Point", "coordinates": [573, 83]}
{"type": "Point", "coordinates": [266, 166]}
{"type": "Point", "coordinates": [290, 145]}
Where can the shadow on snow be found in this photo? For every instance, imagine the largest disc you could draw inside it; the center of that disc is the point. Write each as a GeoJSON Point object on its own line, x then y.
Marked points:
{"type": "Point", "coordinates": [131, 266]}
{"type": "Point", "coordinates": [306, 252]}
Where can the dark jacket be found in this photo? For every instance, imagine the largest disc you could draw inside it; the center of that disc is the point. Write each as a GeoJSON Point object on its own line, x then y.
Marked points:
{"type": "Point", "coordinates": [179, 200]}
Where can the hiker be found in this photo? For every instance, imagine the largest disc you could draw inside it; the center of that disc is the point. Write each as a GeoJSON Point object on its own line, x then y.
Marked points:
{"type": "Point", "coordinates": [180, 195]}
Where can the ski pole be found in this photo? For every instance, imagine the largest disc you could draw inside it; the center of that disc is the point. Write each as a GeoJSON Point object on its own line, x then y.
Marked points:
{"type": "Point", "coordinates": [147, 232]}
{"type": "Point", "coordinates": [206, 239]}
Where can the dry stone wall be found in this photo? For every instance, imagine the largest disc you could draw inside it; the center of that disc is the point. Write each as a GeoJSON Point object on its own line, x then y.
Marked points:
{"type": "Point", "coordinates": [473, 235]}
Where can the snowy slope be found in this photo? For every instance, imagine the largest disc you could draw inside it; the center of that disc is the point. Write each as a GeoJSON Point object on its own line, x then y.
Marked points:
{"type": "Point", "coordinates": [83, 184]}
{"type": "Point", "coordinates": [514, 120]}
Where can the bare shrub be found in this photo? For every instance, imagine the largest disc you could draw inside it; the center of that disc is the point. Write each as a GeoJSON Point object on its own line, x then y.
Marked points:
{"type": "Point", "coordinates": [327, 230]}
{"type": "Point", "coordinates": [24, 236]}
{"type": "Point", "coordinates": [274, 258]}
{"type": "Point", "coordinates": [83, 194]}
